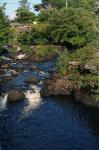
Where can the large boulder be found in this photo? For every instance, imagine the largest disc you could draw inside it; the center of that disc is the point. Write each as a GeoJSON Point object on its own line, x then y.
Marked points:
{"type": "Point", "coordinates": [32, 80]}
{"type": "Point", "coordinates": [15, 95]}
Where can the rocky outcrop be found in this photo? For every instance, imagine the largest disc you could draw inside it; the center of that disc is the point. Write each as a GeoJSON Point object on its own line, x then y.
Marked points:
{"type": "Point", "coordinates": [57, 86]}
{"type": "Point", "coordinates": [15, 95]}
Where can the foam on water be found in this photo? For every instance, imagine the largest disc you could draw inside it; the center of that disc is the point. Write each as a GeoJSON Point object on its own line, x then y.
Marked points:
{"type": "Point", "coordinates": [21, 56]}
{"type": "Point", "coordinates": [34, 100]}
{"type": "Point", "coordinates": [33, 97]}
{"type": "Point", "coordinates": [3, 100]}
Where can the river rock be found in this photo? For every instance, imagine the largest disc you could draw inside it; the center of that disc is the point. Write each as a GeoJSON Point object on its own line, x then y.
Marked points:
{"type": "Point", "coordinates": [14, 73]}
{"type": "Point", "coordinates": [6, 66]}
{"type": "Point", "coordinates": [33, 80]}
{"type": "Point", "coordinates": [21, 56]}
{"type": "Point", "coordinates": [36, 58]}
{"type": "Point", "coordinates": [15, 95]}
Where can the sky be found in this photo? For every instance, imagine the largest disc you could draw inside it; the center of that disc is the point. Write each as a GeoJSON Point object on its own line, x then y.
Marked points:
{"type": "Point", "coordinates": [12, 5]}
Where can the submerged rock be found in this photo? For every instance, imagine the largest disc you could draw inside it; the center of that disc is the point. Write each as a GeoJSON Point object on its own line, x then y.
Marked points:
{"type": "Point", "coordinates": [15, 95]}
{"type": "Point", "coordinates": [34, 68]}
{"type": "Point", "coordinates": [14, 73]}
{"type": "Point", "coordinates": [33, 80]}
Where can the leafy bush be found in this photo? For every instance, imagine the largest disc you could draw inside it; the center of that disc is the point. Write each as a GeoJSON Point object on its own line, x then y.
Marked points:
{"type": "Point", "coordinates": [37, 35]}
{"type": "Point", "coordinates": [74, 27]}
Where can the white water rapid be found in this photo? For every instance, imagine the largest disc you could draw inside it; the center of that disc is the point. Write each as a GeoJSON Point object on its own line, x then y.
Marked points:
{"type": "Point", "coordinates": [3, 100]}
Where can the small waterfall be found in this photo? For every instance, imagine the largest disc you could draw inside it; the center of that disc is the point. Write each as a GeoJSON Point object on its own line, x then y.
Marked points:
{"type": "Point", "coordinates": [3, 100]}
{"type": "Point", "coordinates": [33, 97]}
{"type": "Point", "coordinates": [34, 101]}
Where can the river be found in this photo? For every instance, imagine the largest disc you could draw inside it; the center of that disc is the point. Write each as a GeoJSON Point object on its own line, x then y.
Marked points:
{"type": "Point", "coordinates": [48, 123]}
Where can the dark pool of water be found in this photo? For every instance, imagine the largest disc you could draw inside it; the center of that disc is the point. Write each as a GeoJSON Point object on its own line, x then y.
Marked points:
{"type": "Point", "coordinates": [56, 124]}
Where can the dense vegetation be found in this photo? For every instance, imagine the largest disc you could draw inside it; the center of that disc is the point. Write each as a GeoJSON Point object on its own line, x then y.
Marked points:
{"type": "Point", "coordinates": [75, 26]}
{"type": "Point", "coordinates": [5, 33]}
{"type": "Point", "coordinates": [72, 27]}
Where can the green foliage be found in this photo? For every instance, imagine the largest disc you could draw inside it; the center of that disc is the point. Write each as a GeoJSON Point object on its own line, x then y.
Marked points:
{"type": "Point", "coordinates": [24, 4]}
{"type": "Point", "coordinates": [72, 27]}
{"type": "Point", "coordinates": [27, 49]}
{"type": "Point", "coordinates": [86, 4]}
{"type": "Point", "coordinates": [23, 14]}
{"type": "Point", "coordinates": [5, 33]}
{"type": "Point", "coordinates": [43, 16]}
{"type": "Point", "coordinates": [47, 4]}
{"type": "Point", "coordinates": [63, 60]}
{"type": "Point", "coordinates": [90, 83]}
{"type": "Point", "coordinates": [59, 4]}
{"type": "Point", "coordinates": [87, 55]}
{"type": "Point", "coordinates": [24, 38]}
{"type": "Point", "coordinates": [37, 35]}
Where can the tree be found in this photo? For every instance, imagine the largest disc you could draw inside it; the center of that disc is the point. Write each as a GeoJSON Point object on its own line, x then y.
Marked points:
{"type": "Point", "coordinates": [5, 33]}
{"type": "Point", "coordinates": [73, 27]}
{"type": "Point", "coordinates": [50, 3]}
{"type": "Point", "coordinates": [45, 4]}
{"type": "Point", "coordinates": [23, 14]}
{"type": "Point", "coordinates": [24, 4]}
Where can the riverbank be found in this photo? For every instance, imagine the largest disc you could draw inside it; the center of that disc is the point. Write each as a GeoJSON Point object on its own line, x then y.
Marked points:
{"type": "Point", "coordinates": [63, 86]}
{"type": "Point", "coordinates": [75, 85]}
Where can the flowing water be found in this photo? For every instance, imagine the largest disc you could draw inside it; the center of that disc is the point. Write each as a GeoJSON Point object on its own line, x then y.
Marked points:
{"type": "Point", "coordinates": [45, 124]}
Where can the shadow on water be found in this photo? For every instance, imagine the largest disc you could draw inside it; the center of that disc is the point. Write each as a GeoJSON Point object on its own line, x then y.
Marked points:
{"type": "Point", "coordinates": [57, 123]}
{"type": "Point", "coordinates": [82, 112]}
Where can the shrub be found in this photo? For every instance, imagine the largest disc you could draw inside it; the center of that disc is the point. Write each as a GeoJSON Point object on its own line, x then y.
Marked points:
{"type": "Point", "coordinates": [26, 49]}
{"type": "Point", "coordinates": [84, 56]}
